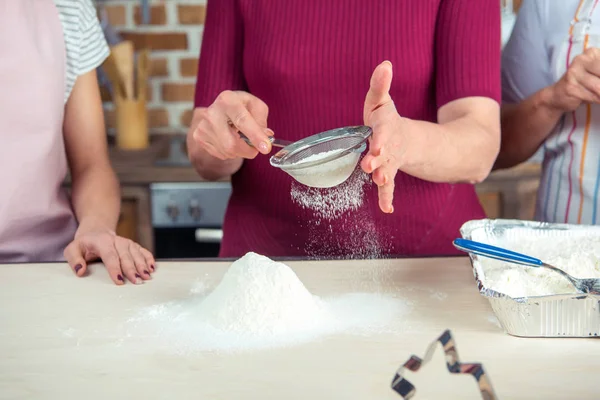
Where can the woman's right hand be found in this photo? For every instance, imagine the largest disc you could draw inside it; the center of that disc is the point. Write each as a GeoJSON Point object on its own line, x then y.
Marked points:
{"type": "Point", "coordinates": [580, 84]}
{"type": "Point", "coordinates": [233, 112]}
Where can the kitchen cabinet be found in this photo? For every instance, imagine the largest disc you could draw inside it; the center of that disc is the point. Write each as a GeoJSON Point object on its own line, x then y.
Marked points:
{"type": "Point", "coordinates": [134, 220]}
{"type": "Point", "coordinates": [511, 193]}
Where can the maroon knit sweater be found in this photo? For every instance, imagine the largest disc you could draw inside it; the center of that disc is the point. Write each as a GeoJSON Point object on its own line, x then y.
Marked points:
{"type": "Point", "coordinates": [311, 61]}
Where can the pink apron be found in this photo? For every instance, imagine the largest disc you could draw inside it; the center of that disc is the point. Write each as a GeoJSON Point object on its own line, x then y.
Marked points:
{"type": "Point", "coordinates": [36, 218]}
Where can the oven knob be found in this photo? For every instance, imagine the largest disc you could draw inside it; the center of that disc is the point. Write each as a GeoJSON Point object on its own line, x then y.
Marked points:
{"type": "Point", "coordinates": [173, 210]}
{"type": "Point", "coordinates": [195, 210]}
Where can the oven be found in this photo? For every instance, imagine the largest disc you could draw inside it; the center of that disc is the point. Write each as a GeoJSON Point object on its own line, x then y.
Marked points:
{"type": "Point", "coordinates": [187, 218]}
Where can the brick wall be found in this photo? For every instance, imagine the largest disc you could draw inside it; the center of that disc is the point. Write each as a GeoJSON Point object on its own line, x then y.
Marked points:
{"type": "Point", "coordinates": [173, 34]}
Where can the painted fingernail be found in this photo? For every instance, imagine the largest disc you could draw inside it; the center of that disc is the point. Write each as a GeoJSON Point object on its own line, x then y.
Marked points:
{"type": "Point", "coordinates": [120, 277]}
{"type": "Point", "coordinates": [152, 267]}
{"type": "Point", "coordinates": [146, 272]}
{"type": "Point", "coordinates": [78, 268]}
{"type": "Point", "coordinates": [138, 279]}
{"type": "Point", "coordinates": [263, 147]}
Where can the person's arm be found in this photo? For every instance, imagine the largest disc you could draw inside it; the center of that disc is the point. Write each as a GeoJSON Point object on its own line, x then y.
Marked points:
{"type": "Point", "coordinates": [466, 139]}
{"type": "Point", "coordinates": [462, 145]}
{"type": "Point", "coordinates": [95, 194]}
{"type": "Point", "coordinates": [528, 115]}
{"type": "Point", "coordinates": [525, 127]}
{"type": "Point", "coordinates": [219, 69]}
{"type": "Point", "coordinates": [95, 190]}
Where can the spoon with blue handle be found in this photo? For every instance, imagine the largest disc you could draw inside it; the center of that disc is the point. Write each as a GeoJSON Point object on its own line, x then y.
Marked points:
{"type": "Point", "coordinates": [591, 286]}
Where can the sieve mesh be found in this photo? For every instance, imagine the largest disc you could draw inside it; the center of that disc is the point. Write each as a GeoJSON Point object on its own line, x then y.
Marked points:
{"type": "Point", "coordinates": [335, 143]}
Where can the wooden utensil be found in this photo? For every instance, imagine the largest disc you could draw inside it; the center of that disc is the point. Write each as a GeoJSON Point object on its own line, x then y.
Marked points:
{"type": "Point", "coordinates": [124, 56]}
{"type": "Point", "coordinates": [143, 70]}
{"type": "Point", "coordinates": [114, 75]}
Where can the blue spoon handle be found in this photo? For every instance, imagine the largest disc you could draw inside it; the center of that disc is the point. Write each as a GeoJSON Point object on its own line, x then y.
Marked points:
{"type": "Point", "coordinates": [497, 253]}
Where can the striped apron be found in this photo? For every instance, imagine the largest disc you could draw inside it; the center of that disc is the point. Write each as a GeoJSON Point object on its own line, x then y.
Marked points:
{"type": "Point", "coordinates": [570, 181]}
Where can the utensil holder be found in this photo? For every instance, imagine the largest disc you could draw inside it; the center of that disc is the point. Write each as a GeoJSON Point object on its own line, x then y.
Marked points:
{"type": "Point", "coordinates": [132, 123]}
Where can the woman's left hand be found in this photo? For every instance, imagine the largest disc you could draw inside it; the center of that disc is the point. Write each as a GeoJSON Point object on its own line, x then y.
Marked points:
{"type": "Point", "coordinates": [385, 145]}
{"type": "Point", "coordinates": [122, 257]}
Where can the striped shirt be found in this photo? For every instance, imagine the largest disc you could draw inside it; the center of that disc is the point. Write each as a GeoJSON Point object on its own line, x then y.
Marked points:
{"type": "Point", "coordinates": [86, 47]}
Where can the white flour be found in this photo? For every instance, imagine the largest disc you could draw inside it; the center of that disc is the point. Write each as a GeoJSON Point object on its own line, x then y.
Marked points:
{"type": "Point", "coordinates": [331, 203]}
{"type": "Point", "coordinates": [257, 296]}
{"type": "Point", "coordinates": [328, 174]}
{"type": "Point", "coordinates": [260, 304]}
{"type": "Point", "coordinates": [579, 257]}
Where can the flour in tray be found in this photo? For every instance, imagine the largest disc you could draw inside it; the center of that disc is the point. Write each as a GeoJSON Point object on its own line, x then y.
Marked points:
{"type": "Point", "coordinates": [578, 256]}
{"type": "Point", "coordinates": [261, 303]}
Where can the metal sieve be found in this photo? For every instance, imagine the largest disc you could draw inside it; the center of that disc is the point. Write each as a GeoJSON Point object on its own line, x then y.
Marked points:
{"type": "Point", "coordinates": [345, 144]}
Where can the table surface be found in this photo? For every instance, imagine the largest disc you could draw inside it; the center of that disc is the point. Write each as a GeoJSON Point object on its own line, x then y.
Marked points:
{"type": "Point", "coordinates": [56, 340]}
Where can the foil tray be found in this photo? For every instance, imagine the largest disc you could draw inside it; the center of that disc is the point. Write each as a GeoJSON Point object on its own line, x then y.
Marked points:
{"type": "Point", "coordinates": [564, 315]}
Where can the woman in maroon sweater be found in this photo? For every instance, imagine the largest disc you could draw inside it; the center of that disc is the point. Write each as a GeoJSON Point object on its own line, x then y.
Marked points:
{"type": "Point", "coordinates": [299, 67]}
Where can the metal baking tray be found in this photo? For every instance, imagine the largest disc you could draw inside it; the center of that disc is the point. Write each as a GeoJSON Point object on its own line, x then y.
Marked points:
{"type": "Point", "coordinates": [564, 315]}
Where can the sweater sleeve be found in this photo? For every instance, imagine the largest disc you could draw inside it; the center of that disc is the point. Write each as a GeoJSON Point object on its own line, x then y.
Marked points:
{"type": "Point", "coordinates": [467, 50]}
{"type": "Point", "coordinates": [220, 64]}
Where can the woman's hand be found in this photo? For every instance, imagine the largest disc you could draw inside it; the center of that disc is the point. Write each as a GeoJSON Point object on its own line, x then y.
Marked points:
{"type": "Point", "coordinates": [122, 257]}
{"type": "Point", "coordinates": [385, 149]}
{"type": "Point", "coordinates": [232, 112]}
{"type": "Point", "coordinates": [580, 84]}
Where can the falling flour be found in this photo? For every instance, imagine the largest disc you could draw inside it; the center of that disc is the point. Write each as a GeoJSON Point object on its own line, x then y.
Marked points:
{"type": "Point", "coordinates": [331, 203]}
{"type": "Point", "coordinates": [261, 303]}
{"type": "Point", "coordinates": [579, 257]}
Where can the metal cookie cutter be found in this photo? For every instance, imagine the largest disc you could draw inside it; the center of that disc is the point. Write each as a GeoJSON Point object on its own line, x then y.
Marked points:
{"type": "Point", "coordinates": [407, 390]}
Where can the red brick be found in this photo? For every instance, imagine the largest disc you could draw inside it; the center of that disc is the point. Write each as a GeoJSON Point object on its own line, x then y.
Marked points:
{"type": "Point", "coordinates": [191, 14]}
{"type": "Point", "coordinates": [159, 67]}
{"type": "Point", "coordinates": [188, 66]}
{"type": "Point", "coordinates": [178, 92]}
{"type": "Point", "coordinates": [157, 41]}
{"type": "Point", "coordinates": [158, 15]}
{"type": "Point", "coordinates": [116, 15]}
{"type": "Point", "coordinates": [186, 118]}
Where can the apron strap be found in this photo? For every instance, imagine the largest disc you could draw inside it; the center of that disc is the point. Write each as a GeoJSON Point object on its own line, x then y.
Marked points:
{"type": "Point", "coordinates": [582, 21]}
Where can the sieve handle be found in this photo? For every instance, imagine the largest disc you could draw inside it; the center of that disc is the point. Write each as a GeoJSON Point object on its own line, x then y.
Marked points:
{"type": "Point", "coordinates": [275, 142]}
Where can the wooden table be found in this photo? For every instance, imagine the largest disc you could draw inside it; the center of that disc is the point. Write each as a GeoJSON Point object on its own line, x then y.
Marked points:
{"type": "Point", "coordinates": [55, 340]}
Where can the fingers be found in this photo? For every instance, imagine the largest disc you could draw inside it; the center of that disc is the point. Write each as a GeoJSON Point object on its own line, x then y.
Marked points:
{"type": "Point", "coordinates": [150, 261]}
{"type": "Point", "coordinates": [105, 248]}
{"type": "Point", "coordinates": [582, 79]}
{"type": "Point", "coordinates": [589, 89]}
{"type": "Point", "coordinates": [126, 260]}
{"type": "Point", "coordinates": [142, 267]}
{"type": "Point", "coordinates": [236, 107]}
{"type": "Point", "coordinates": [74, 255]}
{"type": "Point", "coordinates": [385, 182]}
{"type": "Point", "coordinates": [589, 60]}
{"type": "Point", "coordinates": [379, 89]}
{"type": "Point", "coordinates": [371, 162]}
{"type": "Point", "coordinates": [259, 110]}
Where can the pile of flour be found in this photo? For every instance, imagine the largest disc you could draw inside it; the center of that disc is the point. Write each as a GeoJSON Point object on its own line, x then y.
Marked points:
{"type": "Point", "coordinates": [579, 257]}
{"type": "Point", "coordinates": [261, 303]}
